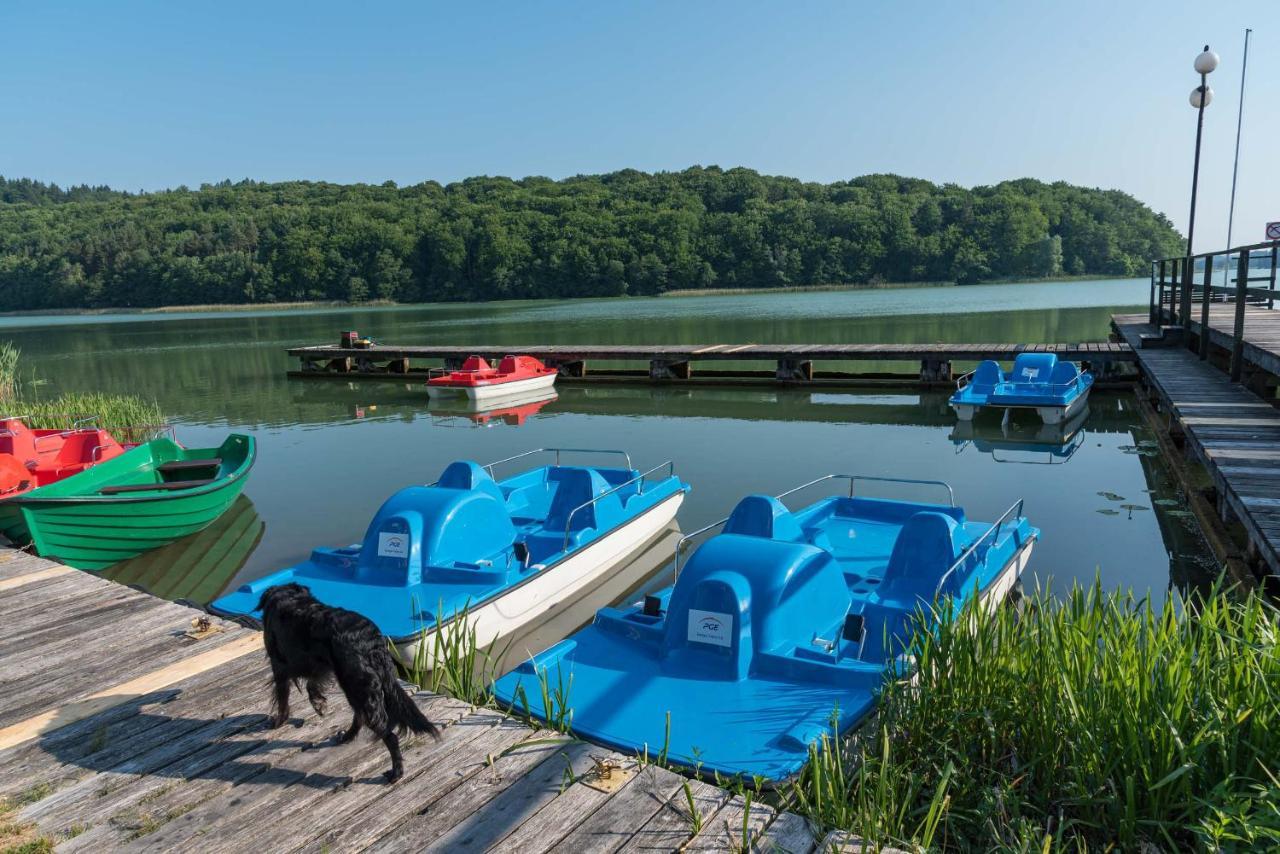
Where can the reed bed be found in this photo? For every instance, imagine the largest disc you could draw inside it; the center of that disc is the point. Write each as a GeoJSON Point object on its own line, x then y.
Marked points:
{"type": "Point", "coordinates": [1092, 721]}
{"type": "Point", "coordinates": [9, 356]}
{"type": "Point", "coordinates": [128, 418]}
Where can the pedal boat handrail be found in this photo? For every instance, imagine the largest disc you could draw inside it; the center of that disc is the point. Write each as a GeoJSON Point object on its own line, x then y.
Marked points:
{"type": "Point", "coordinates": [852, 478]}
{"type": "Point", "coordinates": [640, 478]}
{"type": "Point", "coordinates": [1014, 511]}
{"type": "Point", "coordinates": [489, 467]}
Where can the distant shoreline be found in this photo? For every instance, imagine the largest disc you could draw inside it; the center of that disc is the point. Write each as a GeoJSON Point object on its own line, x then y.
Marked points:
{"type": "Point", "coordinates": [693, 292]}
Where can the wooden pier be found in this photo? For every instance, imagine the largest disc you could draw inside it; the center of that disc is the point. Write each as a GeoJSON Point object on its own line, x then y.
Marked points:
{"type": "Point", "coordinates": [791, 363]}
{"type": "Point", "coordinates": [1232, 431]}
{"type": "Point", "coordinates": [123, 726]}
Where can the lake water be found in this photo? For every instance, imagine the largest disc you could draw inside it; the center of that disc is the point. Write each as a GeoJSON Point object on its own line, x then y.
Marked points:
{"type": "Point", "coordinates": [332, 450]}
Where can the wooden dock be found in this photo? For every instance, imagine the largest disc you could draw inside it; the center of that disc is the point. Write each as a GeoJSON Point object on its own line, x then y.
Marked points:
{"type": "Point", "coordinates": [791, 363]}
{"type": "Point", "coordinates": [122, 729]}
{"type": "Point", "coordinates": [1233, 432]}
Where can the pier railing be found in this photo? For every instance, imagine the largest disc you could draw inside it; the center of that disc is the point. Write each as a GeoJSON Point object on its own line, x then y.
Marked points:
{"type": "Point", "coordinates": [1183, 290]}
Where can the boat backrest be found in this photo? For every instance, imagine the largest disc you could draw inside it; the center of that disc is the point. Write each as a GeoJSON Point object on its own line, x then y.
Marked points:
{"type": "Point", "coordinates": [421, 527]}
{"type": "Point", "coordinates": [511, 364]}
{"type": "Point", "coordinates": [986, 376]}
{"type": "Point", "coordinates": [925, 549]}
{"type": "Point", "coordinates": [17, 439]}
{"type": "Point", "coordinates": [1033, 368]}
{"type": "Point", "coordinates": [576, 485]}
{"type": "Point", "coordinates": [763, 516]}
{"type": "Point", "coordinates": [464, 474]}
{"type": "Point", "coordinates": [475, 363]}
{"type": "Point", "coordinates": [740, 594]}
{"type": "Point", "coordinates": [1064, 373]}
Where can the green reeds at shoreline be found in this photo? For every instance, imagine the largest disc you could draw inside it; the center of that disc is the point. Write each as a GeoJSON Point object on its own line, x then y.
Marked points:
{"type": "Point", "coordinates": [1086, 722]}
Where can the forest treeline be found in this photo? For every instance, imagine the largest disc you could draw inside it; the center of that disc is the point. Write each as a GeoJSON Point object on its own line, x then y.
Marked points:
{"type": "Point", "coordinates": [626, 232]}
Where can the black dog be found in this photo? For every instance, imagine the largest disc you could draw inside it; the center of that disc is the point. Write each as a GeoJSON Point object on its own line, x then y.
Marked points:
{"type": "Point", "coordinates": [308, 640]}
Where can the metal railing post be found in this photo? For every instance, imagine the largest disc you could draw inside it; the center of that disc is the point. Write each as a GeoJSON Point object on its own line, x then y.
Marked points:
{"type": "Point", "coordinates": [1237, 344]}
{"type": "Point", "coordinates": [1188, 271]}
{"type": "Point", "coordinates": [1152, 305]}
{"type": "Point", "coordinates": [1271, 300]}
{"type": "Point", "coordinates": [1160, 303]}
{"type": "Point", "coordinates": [1204, 306]}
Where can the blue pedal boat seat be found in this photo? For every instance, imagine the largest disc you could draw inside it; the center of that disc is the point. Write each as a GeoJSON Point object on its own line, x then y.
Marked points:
{"type": "Point", "coordinates": [1055, 389]}
{"type": "Point", "coordinates": [780, 629]}
{"type": "Point", "coordinates": [434, 552]}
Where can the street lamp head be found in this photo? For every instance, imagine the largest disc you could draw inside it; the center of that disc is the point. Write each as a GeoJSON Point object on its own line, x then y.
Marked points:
{"type": "Point", "coordinates": [1201, 94]}
{"type": "Point", "coordinates": [1206, 62]}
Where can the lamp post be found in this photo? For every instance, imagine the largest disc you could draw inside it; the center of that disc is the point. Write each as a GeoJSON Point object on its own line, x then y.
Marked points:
{"type": "Point", "coordinates": [1201, 97]}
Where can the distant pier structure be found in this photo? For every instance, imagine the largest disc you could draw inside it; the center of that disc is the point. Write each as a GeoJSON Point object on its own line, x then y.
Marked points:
{"type": "Point", "coordinates": [784, 363]}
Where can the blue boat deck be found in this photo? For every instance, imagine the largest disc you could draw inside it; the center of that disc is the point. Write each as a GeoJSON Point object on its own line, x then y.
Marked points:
{"type": "Point", "coordinates": [779, 630]}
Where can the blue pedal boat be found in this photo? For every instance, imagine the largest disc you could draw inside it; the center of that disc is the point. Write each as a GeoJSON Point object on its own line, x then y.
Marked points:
{"type": "Point", "coordinates": [780, 629]}
{"type": "Point", "coordinates": [502, 552]}
{"type": "Point", "coordinates": [1055, 390]}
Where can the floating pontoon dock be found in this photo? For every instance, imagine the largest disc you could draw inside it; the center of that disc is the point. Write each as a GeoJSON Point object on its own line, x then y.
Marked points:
{"type": "Point", "coordinates": [791, 363]}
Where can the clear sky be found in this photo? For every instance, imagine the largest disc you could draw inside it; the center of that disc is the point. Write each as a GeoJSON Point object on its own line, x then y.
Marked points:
{"type": "Point", "coordinates": [151, 95]}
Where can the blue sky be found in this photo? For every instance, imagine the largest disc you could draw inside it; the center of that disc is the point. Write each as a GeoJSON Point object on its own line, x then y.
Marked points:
{"type": "Point", "coordinates": [150, 95]}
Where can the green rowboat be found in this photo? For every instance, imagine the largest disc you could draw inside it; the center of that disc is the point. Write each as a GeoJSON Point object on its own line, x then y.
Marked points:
{"type": "Point", "coordinates": [141, 500]}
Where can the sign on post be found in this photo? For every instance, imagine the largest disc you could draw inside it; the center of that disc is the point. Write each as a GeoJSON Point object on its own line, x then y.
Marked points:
{"type": "Point", "coordinates": [1273, 231]}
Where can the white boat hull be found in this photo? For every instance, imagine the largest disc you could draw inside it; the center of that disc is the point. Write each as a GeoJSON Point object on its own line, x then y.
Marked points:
{"type": "Point", "coordinates": [493, 390]}
{"type": "Point", "coordinates": [998, 590]}
{"type": "Point", "coordinates": [1048, 414]}
{"type": "Point", "coordinates": [511, 612]}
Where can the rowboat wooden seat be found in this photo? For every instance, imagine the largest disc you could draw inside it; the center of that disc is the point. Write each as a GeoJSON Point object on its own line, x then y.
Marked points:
{"type": "Point", "coordinates": [147, 487]}
{"type": "Point", "coordinates": [188, 465]}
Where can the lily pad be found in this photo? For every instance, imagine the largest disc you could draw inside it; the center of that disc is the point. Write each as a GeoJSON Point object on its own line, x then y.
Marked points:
{"type": "Point", "coordinates": [1132, 507]}
{"type": "Point", "coordinates": [1166, 502]}
{"type": "Point", "coordinates": [1111, 496]}
{"type": "Point", "coordinates": [1107, 511]}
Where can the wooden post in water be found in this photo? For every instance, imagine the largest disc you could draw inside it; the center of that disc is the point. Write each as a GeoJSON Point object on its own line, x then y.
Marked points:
{"type": "Point", "coordinates": [1204, 305]}
{"type": "Point", "coordinates": [1271, 300]}
{"type": "Point", "coordinates": [1237, 345]}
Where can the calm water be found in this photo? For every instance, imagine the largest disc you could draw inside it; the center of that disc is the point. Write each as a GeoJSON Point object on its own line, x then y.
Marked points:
{"type": "Point", "coordinates": [331, 451]}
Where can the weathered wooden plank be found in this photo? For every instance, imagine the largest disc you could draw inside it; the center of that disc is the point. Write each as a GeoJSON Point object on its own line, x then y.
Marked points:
{"type": "Point", "coordinates": [676, 823]}
{"type": "Point", "coordinates": [478, 830]}
{"type": "Point", "coordinates": [557, 819]}
{"type": "Point", "coordinates": [788, 834]}
{"type": "Point", "coordinates": [283, 799]}
{"type": "Point", "coordinates": [738, 823]}
{"type": "Point", "coordinates": [383, 819]}
{"type": "Point", "coordinates": [616, 821]}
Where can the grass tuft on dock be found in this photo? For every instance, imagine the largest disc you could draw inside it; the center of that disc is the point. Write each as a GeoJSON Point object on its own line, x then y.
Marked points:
{"type": "Point", "coordinates": [1088, 721]}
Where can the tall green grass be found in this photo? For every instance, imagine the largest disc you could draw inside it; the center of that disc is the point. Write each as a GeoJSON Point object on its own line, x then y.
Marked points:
{"type": "Point", "coordinates": [1090, 721]}
{"type": "Point", "coordinates": [129, 419]}
{"type": "Point", "coordinates": [452, 661]}
{"type": "Point", "coordinates": [9, 356]}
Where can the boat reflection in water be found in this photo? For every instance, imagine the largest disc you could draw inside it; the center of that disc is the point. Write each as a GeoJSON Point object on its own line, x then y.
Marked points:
{"type": "Point", "coordinates": [511, 410]}
{"type": "Point", "coordinates": [198, 567]}
{"type": "Point", "coordinates": [1027, 443]}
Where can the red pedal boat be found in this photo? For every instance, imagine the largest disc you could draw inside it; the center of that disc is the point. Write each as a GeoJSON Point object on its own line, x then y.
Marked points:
{"type": "Point", "coordinates": [31, 458]}
{"type": "Point", "coordinates": [478, 381]}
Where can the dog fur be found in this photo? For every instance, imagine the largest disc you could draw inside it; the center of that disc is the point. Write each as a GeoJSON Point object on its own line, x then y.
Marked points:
{"type": "Point", "coordinates": [310, 641]}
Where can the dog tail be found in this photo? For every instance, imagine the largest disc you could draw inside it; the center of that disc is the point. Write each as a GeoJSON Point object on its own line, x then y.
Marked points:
{"type": "Point", "coordinates": [404, 713]}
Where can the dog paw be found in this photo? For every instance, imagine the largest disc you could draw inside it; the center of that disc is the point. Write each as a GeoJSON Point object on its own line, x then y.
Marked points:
{"type": "Point", "coordinates": [275, 723]}
{"type": "Point", "coordinates": [393, 774]}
